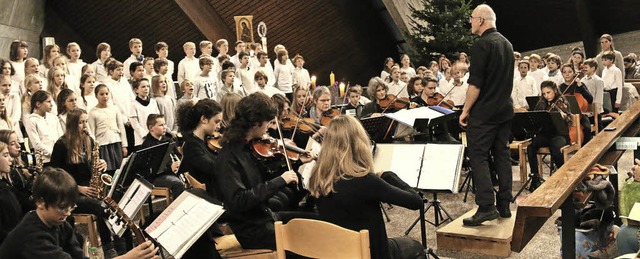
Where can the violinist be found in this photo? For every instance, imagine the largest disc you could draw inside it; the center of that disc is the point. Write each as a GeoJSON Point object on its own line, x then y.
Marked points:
{"type": "Point", "coordinates": [238, 177]}
{"type": "Point", "coordinates": [321, 105]}
{"type": "Point", "coordinates": [198, 121]}
{"type": "Point", "coordinates": [430, 97]}
{"type": "Point", "coordinates": [572, 85]}
{"type": "Point", "coordinates": [354, 94]}
{"type": "Point", "coordinates": [377, 89]}
{"type": "Point", "coordinates": [157, 135]}
{"type": "Point", "coordinates": [551, 98]}
{"type": "Point", "coordinates": [301, 101]}
{"type": "Point", "coordinates": [20, 176]}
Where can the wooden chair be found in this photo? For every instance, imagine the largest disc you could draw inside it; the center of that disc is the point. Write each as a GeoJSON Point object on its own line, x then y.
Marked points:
{"type": "Point", "coordinates": [229, 247]}
{"type": "Point", "coordinates": [194, 183]}
{"type": "Point", "coordinates": [319, 239]}
{"type": "Point", "coordinates": [566, 150]}
{"type": "Point", "coordinates": [158, 194]}
{"type": "Point", "coordinates": [520, 146]}
{"type": "Point", "coordinates": [92, 229]}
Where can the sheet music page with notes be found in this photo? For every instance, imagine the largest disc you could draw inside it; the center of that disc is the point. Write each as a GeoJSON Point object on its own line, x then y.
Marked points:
{"type": "Point", "coordinates": [305, 169]}
{"type": "Point", "coordinates": [183, 222]}
{"type": "Point", "coordinates": [131, 202]}
{"type": "Point", "coordinates": [441, 167]}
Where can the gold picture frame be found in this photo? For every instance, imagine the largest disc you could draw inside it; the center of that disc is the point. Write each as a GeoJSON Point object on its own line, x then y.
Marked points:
{"type": "Point", "coordinates": [244, 28]}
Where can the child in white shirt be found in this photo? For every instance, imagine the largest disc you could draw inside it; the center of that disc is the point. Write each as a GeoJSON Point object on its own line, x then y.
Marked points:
{"type": "Point", "coordinates": [239, 47]}
{"type": "Point", "coordinates": [188, 66]}
{"type": "Point", "coordinates": [141, 107]}
{"type": "Point", "coordinates": [104, 52]}
{"type": "Point", "coordinates": [612, 77]}
{"type": "Point", "coordinates": [284, 73]}
{"type": "Point", "coordinates": [135, 46]}
{"type": "Point", "coordinates": [245, 73]}
{"type": "Point", "coordinates": [205, 84]}
{"type": "Point", "coordinates": [87, 87]}
{"type": "Point", "coordinates": [43, 128]}
{"type": "Point", "coordinates": [74, 64]}
{"type": "Point", "coordinates": [107, 125]}
{"type": "Point", "coordinates": [162, 50]}
{"type": "Point", "coordinates": [18, 53]}
{"type": "Point", "coordinates": [523, 86]}
{"type": "Point", "coordinates": [166, 104]}
{"type": "Point", "coordinates": [300, 74]}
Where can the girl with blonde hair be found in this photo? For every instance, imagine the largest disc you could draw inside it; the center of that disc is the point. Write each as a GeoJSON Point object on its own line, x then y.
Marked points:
{"type": "Point", "coordinates": [342, 183]}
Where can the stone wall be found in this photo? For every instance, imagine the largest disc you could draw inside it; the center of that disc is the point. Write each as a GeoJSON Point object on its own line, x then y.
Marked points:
{"type": "Point", "coordinates": [21, 20]}
{"type": "Point", "coordinates": [625, 43]}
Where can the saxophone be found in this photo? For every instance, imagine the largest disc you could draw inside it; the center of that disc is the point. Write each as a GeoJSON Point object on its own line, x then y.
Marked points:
{"type": "Point", "coordinates": [99, 181]}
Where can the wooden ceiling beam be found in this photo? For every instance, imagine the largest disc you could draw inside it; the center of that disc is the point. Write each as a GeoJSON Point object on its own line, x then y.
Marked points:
{"type": "Point", "coordinates": [207, 20]}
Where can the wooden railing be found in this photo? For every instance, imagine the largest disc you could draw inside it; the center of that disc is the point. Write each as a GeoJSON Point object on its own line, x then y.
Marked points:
{"type": "Point", "coordinates": [556, 191]}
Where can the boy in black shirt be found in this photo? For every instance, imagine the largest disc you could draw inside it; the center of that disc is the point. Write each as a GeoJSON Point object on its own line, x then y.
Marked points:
{"type": "Point", "coordinates": [45, 233]}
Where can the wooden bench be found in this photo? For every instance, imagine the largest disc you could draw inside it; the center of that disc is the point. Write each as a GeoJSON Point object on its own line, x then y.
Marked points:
{"type": "Point", "coordinates": [557, 191]}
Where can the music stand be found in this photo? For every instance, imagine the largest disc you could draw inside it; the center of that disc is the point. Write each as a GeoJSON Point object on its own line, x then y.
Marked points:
{"type": "Point", "coordinates": [532, 101]}
{"type": "Point", "coordinates": [573, 104]}
{"type": "Point", "coordinates": [527, 124]}
{"type": "Point", "coordinates": [377, 127]}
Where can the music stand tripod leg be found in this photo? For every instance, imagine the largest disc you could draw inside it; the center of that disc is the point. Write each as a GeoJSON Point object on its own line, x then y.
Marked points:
{"type": "Point", "coordinates": [423, 230]}
{"type": "Point", "coordinates": [420, 217]}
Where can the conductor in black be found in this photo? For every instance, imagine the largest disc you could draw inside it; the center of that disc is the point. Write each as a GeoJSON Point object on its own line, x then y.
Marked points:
{"type": "Point", "coordinates": [487, 114]}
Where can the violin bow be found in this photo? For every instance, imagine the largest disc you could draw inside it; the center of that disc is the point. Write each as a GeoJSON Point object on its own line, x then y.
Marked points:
{"type": "Point", "coordinates": [445, 96]}
{"type": "Point", "coordinates": [286, 158]}
{"type": "Point", "coordinates": [394, 99]}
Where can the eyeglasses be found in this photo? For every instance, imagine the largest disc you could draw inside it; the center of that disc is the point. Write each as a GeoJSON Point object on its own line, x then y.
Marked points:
{"type": "Point", "coordinates": [67, 209]}
{"type": "Point", "coordinates": [472, 17]}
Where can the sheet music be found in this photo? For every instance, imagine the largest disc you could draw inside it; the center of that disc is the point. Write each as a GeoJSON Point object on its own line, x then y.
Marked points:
{"type": "Point", "coordinates": [441, 164]}
{"type": "Point", "coordinates": [305, 170]}
{"type": "Point", "coordinates": [409, 116]}
{"type": "Point", "coordinates": [130, 203]}
{"type": "Point", "coordinates": [183, 222]}
{"type": "Point", "coordinates": [441, 167]}
{"type": "Point", "coordinates": [404, 161]}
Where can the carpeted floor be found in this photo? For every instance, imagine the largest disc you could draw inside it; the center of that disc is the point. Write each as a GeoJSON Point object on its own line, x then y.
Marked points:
{"type": "Point", "coordinates": [545, 244]}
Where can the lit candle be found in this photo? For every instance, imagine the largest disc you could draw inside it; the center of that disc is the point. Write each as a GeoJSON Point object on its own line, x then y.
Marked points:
{"type": "Point", "coordinates": [332, 78]}
{"type": "Point", "coordinates": [313, 82]}
{"type": "Point", "coordinates": [341, 89]}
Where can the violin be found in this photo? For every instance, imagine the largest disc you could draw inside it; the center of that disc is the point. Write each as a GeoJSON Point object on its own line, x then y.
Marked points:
{"type": "Point", "coordinates": [268, 147]}
{"type": "Point", "coordinates": [305, 125]}
{"type": "Point", "coordinates": [213, 142]}
{"type": "Point", "coordinates": [437, 99]}
{"type": "Point", "coordinates": [391, 101]}
{"type": "Point", "coordinates": [328, 116]}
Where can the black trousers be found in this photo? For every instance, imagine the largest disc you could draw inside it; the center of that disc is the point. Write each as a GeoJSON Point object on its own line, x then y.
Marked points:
{"type": "Point", "coordinates": [494, 138]}
{"type": "Point", "coordinates": [554, 144]}
{"type": "Point", "coordinates": [612, 94]}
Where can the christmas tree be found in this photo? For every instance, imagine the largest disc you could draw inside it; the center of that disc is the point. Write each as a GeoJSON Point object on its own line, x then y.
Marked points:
{"type": "Point", "coordinates": [440, 27]}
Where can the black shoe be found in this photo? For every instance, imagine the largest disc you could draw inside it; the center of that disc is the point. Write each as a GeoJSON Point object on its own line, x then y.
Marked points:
{"type": "Point", "coordinates": [479, 217]}
{"type": "Point", "coordinates": [504, 210]}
